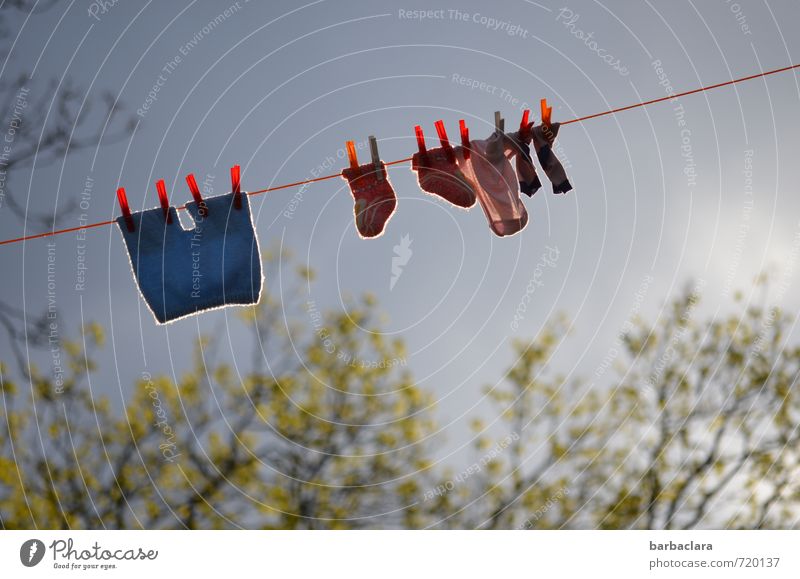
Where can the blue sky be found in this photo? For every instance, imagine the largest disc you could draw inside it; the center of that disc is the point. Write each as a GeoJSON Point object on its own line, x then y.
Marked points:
{"type": "Point", "coordinates": [662, 195]}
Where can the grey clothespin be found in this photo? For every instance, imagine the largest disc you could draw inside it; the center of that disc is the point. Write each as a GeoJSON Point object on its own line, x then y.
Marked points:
{"type": "Point", "coordinates": [376, 158]}
{"type": "Point", "coordinates": [499, 122]}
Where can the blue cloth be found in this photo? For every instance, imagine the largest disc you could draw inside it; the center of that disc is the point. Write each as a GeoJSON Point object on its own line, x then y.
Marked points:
{"type": "Point", "coordinates": [182, 272]}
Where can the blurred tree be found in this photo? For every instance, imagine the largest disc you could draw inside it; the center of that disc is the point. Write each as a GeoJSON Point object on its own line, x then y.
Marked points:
{"type": "Point", "coordinates": [51, 119]}
{"type": "Point", "coordinates": [320, 438]}
{"type": "Point", "coordinates": [326, 428]}
{"type": "Point", "coordinates": [326, 432]}
{"type": "Point", "coordinates": [699, 431]}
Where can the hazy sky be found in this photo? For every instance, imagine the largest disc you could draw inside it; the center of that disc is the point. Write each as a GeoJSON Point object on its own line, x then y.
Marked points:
{"type": "Point", "coordinates": [703, 188]}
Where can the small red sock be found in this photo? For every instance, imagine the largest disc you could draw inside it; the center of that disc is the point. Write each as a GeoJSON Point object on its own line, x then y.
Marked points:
{"type": "Point", "coordinates": [375, 200]}
{"type": "Point", "coordinates": [439, 175]}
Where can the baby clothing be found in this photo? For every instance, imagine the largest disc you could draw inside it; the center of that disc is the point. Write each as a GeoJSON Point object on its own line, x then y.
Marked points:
{"type": "Point", "coordinates": [543, 137]}
{"type": "Point", "coordinates": [182, 272]}
{"type": "Point", "coordinates": [529, 182]}
{"type": "Point", "coordinates": [496, 183]}
{"type": "Point", "coordinates": [438, 173]}
{"type": "Point", "coordinates": [375, 200]}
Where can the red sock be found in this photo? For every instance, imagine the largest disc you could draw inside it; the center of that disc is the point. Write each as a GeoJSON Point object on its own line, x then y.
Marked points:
{"type": "Point", "coordinates": [375, 200]}
{"type": "Point", "coordinates": [438, 175]}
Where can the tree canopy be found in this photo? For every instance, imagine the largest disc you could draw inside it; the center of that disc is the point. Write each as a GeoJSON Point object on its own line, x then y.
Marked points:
{"type": "Point", "coordinates": [697, 429]}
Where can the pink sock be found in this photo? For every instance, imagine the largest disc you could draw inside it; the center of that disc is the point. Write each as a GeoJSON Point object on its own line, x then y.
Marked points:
{"type": "Point", "coordinates": [497, 187]}
{"type": "Point", "coordinates": [438, 172]}
{"type": "Point", "coordinates": [375, 200]}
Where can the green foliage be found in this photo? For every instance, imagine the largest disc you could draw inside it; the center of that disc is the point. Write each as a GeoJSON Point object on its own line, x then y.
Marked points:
{"type": "Point", "coordinates": [309, 438]}
{"type": "Point", "coordinates": [328, 430]}
{"type": "Point", "coordinates": [698, 430]}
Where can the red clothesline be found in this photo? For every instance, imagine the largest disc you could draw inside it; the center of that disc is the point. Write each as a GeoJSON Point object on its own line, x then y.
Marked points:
{"type": "Point", "coordinates": [406, 160]}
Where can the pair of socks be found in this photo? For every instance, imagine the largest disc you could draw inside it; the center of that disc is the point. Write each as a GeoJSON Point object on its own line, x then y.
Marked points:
{"type": "Point", "coordinates": [485, 175]}
{"type": "Point", "coordinates": [438, 173]}
{"type": "Point", "coordinates": [375, 200]}
{"type": "Point", "coordinates": [543, 137]}
{"type": "Point", "coordinates": [529, 182]}
{"type": "Point", "coordinates": [497, 185]}
{"type": "Point", "coordinates": [182, 272]}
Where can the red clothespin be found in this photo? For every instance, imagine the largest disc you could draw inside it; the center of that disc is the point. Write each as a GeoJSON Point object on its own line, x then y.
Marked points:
{"type": "Point", "coordinates": [162, 197]}
{"type": "Point", "coordinates": [376, 158]}
{"type": "Point", "coordinates": [194, 188]}
{"type": "Point", "coordinates": [201, 205]}
{"type": "Point", "coordinates": [546, 112]}
{"type": "Point", "coordinates": [523, 125]}
{"type": "Point", "coordinates": [423, 152]}
{"type": "Point", "coordinates": [440, 130]}
{"type": "Point", "coordinates": [352, 156]}
{"type": "Point", "coordinates": [464, 137]}
{"type": "Point", "coordinates": [126, 210]}
{"type": "Point", "coordinates": [236, 186]}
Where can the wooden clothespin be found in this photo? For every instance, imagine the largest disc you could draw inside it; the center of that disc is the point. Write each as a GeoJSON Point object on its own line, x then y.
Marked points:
{"type": "Point", "coordinates": [376, 158]}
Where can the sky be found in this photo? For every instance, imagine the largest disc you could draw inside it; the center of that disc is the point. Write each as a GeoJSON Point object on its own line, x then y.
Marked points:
{"type": "Point", "coordinates": [698, 190]}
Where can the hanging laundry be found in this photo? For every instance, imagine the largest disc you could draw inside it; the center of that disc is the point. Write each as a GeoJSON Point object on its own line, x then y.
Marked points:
{"type": "Point", "coordinates": [183, 272]}
{"type": "Point", "coordinates": [497, 188]}
{"type": "Point", "coordinates": [438, 172]}
{"type": "Point", "coordinates": [544, 136]}
{"type": "Point", "coordinates": [375, 200]}
{"type": "Point", "coordinates": [543, 145]}
{"type": "Point", "coordinates": [529, 182]}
